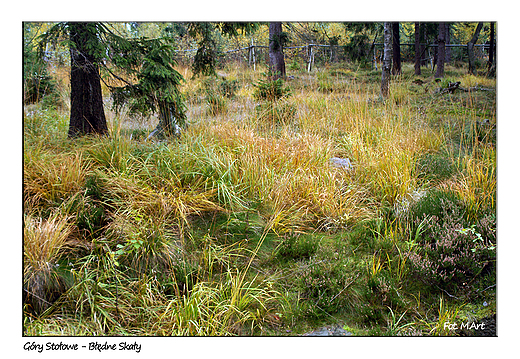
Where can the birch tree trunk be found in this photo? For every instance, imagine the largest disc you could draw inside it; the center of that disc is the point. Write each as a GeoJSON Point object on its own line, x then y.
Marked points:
{"type": "Point", "coordinates": [387, 59]}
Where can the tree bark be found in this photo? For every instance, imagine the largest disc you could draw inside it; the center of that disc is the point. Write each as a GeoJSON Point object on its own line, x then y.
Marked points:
{"type": "Point", "coordinates": [447, 57]}
{"type": "Point", "coordinates": [491, 59]}
{"type": "Point", "coordinates": [276, 57]}
{"type": "Point", "coordinates": [471, 44]}
{"type": "Point", "coordinates": [417, 48]}
{"type": "Point", "coordinates": [167, 125]}
{"type": "Point", "coordinates": [387, 59]}
{"type": "Point", "coordinates": [441, 50]}
{"type": "Point", "coordinates": [424, 41]}
{"type": "Point", "coordinates": [87, 115]}
{"type": "Point", "coordinates": [396, 49]}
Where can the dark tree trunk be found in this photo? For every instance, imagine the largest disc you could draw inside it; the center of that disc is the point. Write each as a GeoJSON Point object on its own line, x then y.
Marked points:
{"type": "Point", "coordinates": [471, 44]}
{"type": "Point", "coordinates": [491, 59]}
{"type": "Point", "coordinates": [87, 115]}
{"type": "Point", "coordinates": [276, 58]}
{"type": "Point", "coordinates": [387, 59]}
{"type": "Point", "coordinates": [448, 41]}
{"type": "Point", "coordinates": [418, 48]}
{"type": "Point", "coordinates": [424, 39]}
{"type": "Point", "coordinates": [396, 49]}
{"type": "Point", "coordinates": [441, 50]}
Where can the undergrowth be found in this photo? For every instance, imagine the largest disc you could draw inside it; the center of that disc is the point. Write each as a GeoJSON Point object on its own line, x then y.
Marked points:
{"type": "Point", "coordinates": [244, 226]}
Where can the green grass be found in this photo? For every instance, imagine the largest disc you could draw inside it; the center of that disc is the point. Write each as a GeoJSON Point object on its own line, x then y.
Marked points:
{"type": "Point", "coordinates": [242, 226]}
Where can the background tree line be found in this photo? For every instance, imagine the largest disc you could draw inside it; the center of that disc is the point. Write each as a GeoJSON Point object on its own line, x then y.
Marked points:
{"type": "Point", "coordinates": [137, 60]}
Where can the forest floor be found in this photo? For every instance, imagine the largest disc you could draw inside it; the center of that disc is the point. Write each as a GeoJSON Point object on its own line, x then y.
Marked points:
{"type": "Point", "coordinates": [249, 224]}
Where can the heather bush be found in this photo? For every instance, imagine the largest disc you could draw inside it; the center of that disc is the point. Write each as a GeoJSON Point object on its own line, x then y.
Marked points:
{"type": "Point", "coordinates": [452, 256]}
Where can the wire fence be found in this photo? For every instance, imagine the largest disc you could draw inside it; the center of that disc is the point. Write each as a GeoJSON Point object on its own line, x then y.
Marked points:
{"type": "Point", "coordinates": [310, 56]}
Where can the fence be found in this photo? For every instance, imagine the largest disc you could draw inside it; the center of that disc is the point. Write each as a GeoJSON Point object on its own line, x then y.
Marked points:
{"type": "Point", "coordinates": [311, 55]}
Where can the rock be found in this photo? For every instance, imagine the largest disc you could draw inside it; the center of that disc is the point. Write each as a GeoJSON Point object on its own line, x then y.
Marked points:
{"type": "Point", "coordinates": [341, 163]}
{"type": "Point", "coordinates": [336, 331]}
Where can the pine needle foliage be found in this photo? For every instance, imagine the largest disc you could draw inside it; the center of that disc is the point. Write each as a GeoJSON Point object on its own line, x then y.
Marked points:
{"type": "Point", "coordinates": [157, 86]}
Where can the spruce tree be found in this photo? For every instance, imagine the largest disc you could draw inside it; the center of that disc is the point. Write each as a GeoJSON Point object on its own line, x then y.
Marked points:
{"type": "Point", "coordinates": [157, 87]}
{"type": "Point", "coordinates": [148, 82]}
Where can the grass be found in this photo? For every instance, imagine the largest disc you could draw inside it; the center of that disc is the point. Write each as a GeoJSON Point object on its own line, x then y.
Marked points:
{"type": "Point", "coordinates": [242, 226]}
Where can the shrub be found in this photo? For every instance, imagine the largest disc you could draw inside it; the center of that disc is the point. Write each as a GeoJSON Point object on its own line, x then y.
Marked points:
{"type": "Point", "coordinates": [38, 84]}
{"type": "Point", "coordinates": [216, 104]}
{"type": "Point", "coordinates": [217, 93]}
{"type": "Point", "coordinates": [451, 255]}
{"type": "Point", "coordinates": [228, 88]}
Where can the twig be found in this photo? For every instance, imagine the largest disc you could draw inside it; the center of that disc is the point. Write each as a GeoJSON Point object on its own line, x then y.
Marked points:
{"type": "Point", "coordinates": [491, 286]}
{"type": "Point", "coordinates": [341, 291]}
{"type": "Point", "coordinates": [449, 295]}
{"type": "Point", "coordinates": [37, 296]}
{"type": "Point", "coordinates": [114, 75]}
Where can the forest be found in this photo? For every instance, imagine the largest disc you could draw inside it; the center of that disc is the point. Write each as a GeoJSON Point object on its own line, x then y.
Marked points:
{"type": "Point", "coordinates": [259, 179]}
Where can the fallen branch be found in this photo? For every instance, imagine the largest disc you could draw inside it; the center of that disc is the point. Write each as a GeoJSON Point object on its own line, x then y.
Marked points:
{"type": "Point", "coordinates": [452, 86]}
{"type": "Point", "coordinates": [479, 88]}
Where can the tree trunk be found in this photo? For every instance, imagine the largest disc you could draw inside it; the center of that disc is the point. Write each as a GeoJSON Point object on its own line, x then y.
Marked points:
{"type": "Point", "coordinates": [447, 57]}
{"type": "Point", "coordinates": [417, 48]}
{"type": "Point", "coordinates": [167, 125]}
{"type": "Point", "coordinates": [424, 40]}
{"type": "Point", "coordinates": [276, 58]}
{"type": "Point", "coordinates": [87, 115]}
{"type": "Point", "coordinates": [471, 44]}
{"type": "Point", "coordinates": [387, 59]}
{"type": "Point", "coordinates": [396, 49]}
{"type": "Point", "coordinates": [441, 50]}
{"type": "Point", "coordinates": [491, 59]}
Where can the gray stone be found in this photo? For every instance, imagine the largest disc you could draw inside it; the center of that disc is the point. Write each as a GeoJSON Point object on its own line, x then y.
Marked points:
{"type": "Point", "coordinates": [336, 331]}
{"type": "Point", "coordinates": [341, 163]}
